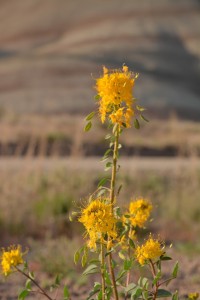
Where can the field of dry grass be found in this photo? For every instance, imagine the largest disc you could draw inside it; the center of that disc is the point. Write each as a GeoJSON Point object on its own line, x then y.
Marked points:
{"type": "Point", "coordinates": [42, 193]}
{"type": "Point", "coordinates": [62, 135]}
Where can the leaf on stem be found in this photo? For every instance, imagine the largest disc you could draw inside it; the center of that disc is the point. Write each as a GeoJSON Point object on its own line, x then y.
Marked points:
{"type": "Point", "coordinates": [108, 165]}
{"type": "Point", "coordinates": [28, 285]}
{"type": "Point", "coordinates": [90, 116]}
{"type": "Point", "coordinates": [97, 98]}
{"type": "Point", "coordinates": [144, 118]}
{"type": "Point", "coordinates": [66, 293]}
{"type": "Point", "coordinates": [136, 124]}
{"type": "Point", "coordinates": [161, 293]}
{"type": "Point", "coordinates": [175, 270]}
{"type": "Point", "coordinates": [88, 126]}
{"type": "Point", "coordinates": [130, 287]}
{"type": "Point", "coordinates": [140, 108]}
{"type": "Point", "coordinates": [23, 294]}
{"type": "Point", "coordinates": [102, 181]}
{"type": "Point", "coordinates": [91, 269]}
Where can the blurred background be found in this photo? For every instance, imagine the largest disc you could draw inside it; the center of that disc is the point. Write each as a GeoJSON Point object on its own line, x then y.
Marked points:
{"type": "Point", "coordinates": [50, 54]}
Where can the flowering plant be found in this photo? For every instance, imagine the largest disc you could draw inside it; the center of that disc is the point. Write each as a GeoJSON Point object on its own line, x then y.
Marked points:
{"type": "Point", "coordinates": [111, 233]}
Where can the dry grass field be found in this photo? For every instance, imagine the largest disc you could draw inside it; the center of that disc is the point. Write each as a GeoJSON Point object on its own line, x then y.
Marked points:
{"type": "Point", "coordinates": [38, 195]}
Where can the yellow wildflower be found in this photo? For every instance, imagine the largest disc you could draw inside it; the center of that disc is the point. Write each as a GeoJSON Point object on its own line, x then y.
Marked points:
{"type": "Point", "coordinates": [115, 89]}
{"type": "Point", "coordinates": [99, 222]}
{"type": "Point", "coordinates": [139, 212]}
{"type": "Point", "coordinates": [193, 296]}
{"type": "Point", "coordinates": [11, 258]}
{"type": "Point", "coordinates": [151, 250]}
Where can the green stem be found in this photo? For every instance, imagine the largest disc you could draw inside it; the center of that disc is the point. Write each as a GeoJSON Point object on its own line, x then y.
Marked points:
{"type": "Point", "coordinates": [154, 275]}
{"type": "Point", "coordinates": [102, 272]}
{"type": "Point", "coordinates": [43, 292]}
{"type": "Point", "coordinates": [112, 274]}
{"type": "Point", "coordinates": [112, 199]}
{"type": "Point", "coordinates": [114, 166]}
{"type": "Point", "coordinates": [129, 272]}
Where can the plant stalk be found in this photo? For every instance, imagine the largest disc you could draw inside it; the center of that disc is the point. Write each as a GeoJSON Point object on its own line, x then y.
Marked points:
{"type": "Point", "coordinates": [102, 272]}
{"type": "Point", "coordinates": [114, 167]}
{"type": "Point", "coordinates": [154, 275]}
{"type": "Point", "coordinates": [112, 199]}
{"type": "Point", "coordinates": [42, 291]}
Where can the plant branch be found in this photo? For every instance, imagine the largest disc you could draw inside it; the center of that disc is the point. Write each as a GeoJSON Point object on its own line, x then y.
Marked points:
{"type": "Point", "coordinates": [154, 275]}
{"type": "Point", "coordinates": [42, 291]}
{"type": "Point", "coordinates": [102, 272]}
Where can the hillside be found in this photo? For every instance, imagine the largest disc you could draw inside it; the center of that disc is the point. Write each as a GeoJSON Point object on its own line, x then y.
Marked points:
{"type": "Point", "coordinates": [49, 49]}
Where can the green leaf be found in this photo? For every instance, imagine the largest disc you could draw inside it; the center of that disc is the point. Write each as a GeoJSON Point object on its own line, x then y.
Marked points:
{"type": "Point", "coordinates": [140, 108]}
{"type": "Point", "coordinates": [137, 291]}
{"type": "Point", "coordinates": [131, 243]}
{"type": "Point", "coordinates": [175, 296]}
{"type": "Point", "coordinates": [100, 295]}
{"type": "Point", "coordinates": [120, 275]}
{"type": "Point", "coordinates": [91, 269]}
{"type": "Point", "coordinates": [66, 293]}
{"type": "Point", "coordinates": [136, 124]}
{"type": "Point", "coordinates": [127, 264]}
{"type": "Point", "coordinates": [97, 285]}
{"type": "Point", "coordinates": [130, 287]}
{"type": "Point", "coordinates": [28, 285]}
{"type": "Point", "coordinates": [107, 278]}
{"type": "Point", "coordinates": [119, 189]}
{"type": "Point", "coordinates": [23, 295]}
{"type": "Point", "coordinates": [96, 289]}
{"type": "Point", "coordinates": [157, 277]}
{"type": "Point", "coordinates": [25, 265]}
{"type": "Point", "coordinates": [90, 116]}
{"type": "Point", "coordinates": [108, 165]}
{"type": "Point", "coordinates": [88, 126]}
{"type": "Point", "coordinates": [102, 181]}
{"type": "Point", "coordinates": [121, 255]}
{"type": "Point", "coordinates": [106, 154]}
{"type": "Point", "coordinates": [84, 260]}
{"type": "Point", "coordinates": [31, 275]}
{"type": "Point", "coordinates": [143, 118]}
{"type": "Point", "coordinates": [163, 293]}
{"type": "Point", "coordinates": [97, 97]}
{"type": "Point", "coordinates": [117, 211]}
{"type": "Point", "coordinates": [175, 270]}
{"type": "Point", "coordinates": [142, 281]}
{"type": "Point", "coordinates": [57, 280]}
{"type": "Point", "coordinates": [76, 256]}
{"type": "Point", "coordinates": [165, 257]}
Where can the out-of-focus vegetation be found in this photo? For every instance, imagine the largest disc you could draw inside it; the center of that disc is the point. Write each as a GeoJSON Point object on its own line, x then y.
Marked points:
{"type": "Point", "coordinates": [44, 199]}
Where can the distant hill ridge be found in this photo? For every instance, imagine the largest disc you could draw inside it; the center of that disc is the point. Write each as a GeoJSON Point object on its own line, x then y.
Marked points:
{"type": "Point", "coordinates": [49, 49]}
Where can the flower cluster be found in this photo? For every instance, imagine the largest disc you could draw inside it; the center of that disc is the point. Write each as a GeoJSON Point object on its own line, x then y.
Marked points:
{"type": "Point", "coordinates": [99, 221]}
{"type": "Point", "coordinates": [115, 88]}
{"type": "Point", "coordinates": [151, 250]}
{"type": "Point", "coordinates": [12, 257]}
{"type": "Point", "coordinates": [139, 212]}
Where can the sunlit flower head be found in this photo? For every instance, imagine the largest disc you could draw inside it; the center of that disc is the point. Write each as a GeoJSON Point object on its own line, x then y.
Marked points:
{"type": "Point", "coordinates": [99, 222]}
{"type": "Point", "coordinates": [139, 212]}
{"type": "Point", "coordinates": [10, 258]}
{"type": "Point", "coordinates": [115, 89]}
{"type": "Point", "coordinates": [151, 250]}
